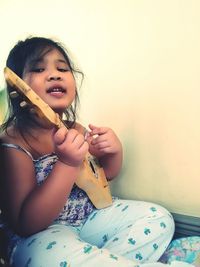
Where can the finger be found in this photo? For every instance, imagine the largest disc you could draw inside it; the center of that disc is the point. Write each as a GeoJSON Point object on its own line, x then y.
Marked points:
{"type": "Point", "coordinates": [71, 135]}
{"type": "Point", "coordinates": [79, 140]}
{"type": "Point", "coordinates": [60, 135]}
{"type": "Point", "coordinates": [101, 145]}
{"type": "Point", "coordinates": [98, 139]}
{"type": "Point", "coordinates": [97, 130]}
{"type": "Point", "coordinates": [92, 126]}
{"type": "Point", "coordinates": [84, 147]}
{"type": "Point", "coordinates": [89, 139]}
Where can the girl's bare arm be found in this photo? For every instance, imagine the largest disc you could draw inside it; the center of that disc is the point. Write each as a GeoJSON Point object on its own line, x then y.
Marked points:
{"type": "Point", "coordinates": [31, 208]}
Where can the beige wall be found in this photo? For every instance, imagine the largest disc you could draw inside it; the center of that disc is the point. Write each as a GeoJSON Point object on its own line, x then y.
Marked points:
{"type": "Point", "coordinates": [142, 62]}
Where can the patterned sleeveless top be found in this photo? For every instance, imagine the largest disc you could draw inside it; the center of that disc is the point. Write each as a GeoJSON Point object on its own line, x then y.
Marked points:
{"type": "Point", "coordinates": [77, 207]}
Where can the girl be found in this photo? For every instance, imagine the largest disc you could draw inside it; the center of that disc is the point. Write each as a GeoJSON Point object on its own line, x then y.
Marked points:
{"type": "Point", "coordinates": [48, 219]}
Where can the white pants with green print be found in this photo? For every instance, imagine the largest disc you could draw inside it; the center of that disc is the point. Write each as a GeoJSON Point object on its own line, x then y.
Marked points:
{"type": "Point", "coordinates": [127, 234]}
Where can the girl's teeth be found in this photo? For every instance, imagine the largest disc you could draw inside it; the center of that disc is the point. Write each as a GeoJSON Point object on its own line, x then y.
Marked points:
{"type": "Point", "coordinates": [55, 90]}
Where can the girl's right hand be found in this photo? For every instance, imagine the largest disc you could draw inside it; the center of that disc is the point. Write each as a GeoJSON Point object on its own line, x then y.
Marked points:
{"type": "Point", "coordinates": [70, 146]}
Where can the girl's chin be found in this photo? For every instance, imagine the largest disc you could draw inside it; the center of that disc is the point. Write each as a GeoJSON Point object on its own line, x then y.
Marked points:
{"type": "Point", "coordinates": [61, 107]}
{"type": "Point", "coordinates": [60, 111]}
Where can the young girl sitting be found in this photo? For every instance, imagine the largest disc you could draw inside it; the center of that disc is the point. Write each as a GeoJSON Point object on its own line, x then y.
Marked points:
{"type": "Point", "coordinates": [49, 221]}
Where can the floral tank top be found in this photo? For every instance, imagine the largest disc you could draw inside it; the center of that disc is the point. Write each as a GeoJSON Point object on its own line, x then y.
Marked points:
{"type": "Point", "coordinates": [77, 207]}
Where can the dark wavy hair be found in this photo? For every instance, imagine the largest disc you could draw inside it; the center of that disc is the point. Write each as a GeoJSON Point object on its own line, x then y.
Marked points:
{"type": "Point", "coordinates": [21, 56]}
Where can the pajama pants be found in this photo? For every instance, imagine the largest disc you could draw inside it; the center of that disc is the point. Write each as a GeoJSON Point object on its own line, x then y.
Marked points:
{"type": "Point", "coordinates": [127, 234]}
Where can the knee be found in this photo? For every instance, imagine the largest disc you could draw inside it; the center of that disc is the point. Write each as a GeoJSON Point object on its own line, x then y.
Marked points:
{"type": "Point", "coordinates": [157, 216]}
{"type": "Point", "coordinates": [166, 221]}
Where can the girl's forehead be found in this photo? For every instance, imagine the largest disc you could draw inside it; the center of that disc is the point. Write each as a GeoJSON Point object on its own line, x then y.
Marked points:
{"type": "Point", "coordinates": [51, 53]}
{"type": "Point", "coordinates": [46, 54]}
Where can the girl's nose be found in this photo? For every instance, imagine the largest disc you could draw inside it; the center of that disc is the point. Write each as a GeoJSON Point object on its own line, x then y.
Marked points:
{"type": "Point", "coordinates": [55, 76]}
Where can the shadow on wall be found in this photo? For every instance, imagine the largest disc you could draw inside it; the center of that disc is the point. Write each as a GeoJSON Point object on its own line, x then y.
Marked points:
{"type": "Point", "coordinates": [123, 186]}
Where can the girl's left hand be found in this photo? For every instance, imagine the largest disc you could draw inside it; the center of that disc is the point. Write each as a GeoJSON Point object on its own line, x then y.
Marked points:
{"type": "Point", "coordinates": [102, 141]}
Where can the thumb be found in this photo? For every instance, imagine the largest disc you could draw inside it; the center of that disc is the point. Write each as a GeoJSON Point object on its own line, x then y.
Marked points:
{"type": "Point", "coordinates": [94, 129]}
{"type": "Point", "coordinates": [59, 135]}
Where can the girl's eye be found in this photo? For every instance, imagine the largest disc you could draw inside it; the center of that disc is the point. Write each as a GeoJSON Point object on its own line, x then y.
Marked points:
{"type": "Point", "coordinates": [63, 69]}
{"type": "Point", "coordinates": [37, 70]}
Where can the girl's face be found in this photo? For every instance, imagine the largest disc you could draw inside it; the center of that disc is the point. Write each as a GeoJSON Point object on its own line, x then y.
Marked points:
{"type": "Point", "coordinates": [52, 79]}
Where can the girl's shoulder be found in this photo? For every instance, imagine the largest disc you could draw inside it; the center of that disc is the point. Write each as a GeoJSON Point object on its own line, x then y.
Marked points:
{"type": "Point", "coordinates": [8, 140]}
{"type": "Point", "coordinates": [7, 136]}
{"type": "Point", "coordinates": [10, 136]}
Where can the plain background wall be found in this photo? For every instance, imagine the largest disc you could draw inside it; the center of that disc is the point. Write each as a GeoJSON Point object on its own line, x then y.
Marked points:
{"type": "Point", "coordinates": [141, 60]}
